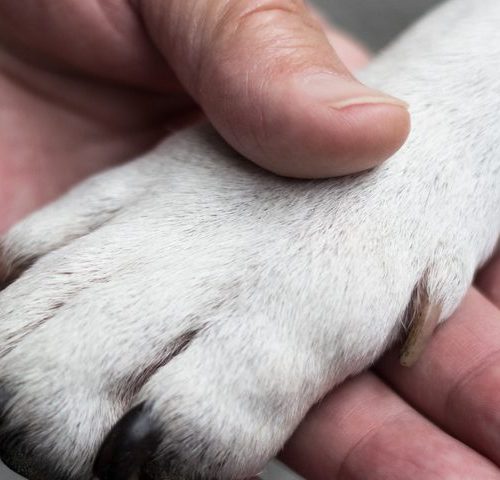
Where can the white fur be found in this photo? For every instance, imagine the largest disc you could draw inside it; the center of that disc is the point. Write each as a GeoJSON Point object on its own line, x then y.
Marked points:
{"type": "Point", "coordinates": [276, 289]}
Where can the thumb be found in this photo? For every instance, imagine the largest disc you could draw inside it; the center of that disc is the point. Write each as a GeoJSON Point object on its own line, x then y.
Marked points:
{"type": "Point", "coordinates": [270, 82]}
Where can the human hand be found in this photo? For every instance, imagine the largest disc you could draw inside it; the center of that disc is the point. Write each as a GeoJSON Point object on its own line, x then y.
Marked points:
{"type": "Point", "coordinates": [84, 85]}
{"type": "Point", "coordinates": [74, 107]}
{"type": "Point", "coordinates": [438, 420]}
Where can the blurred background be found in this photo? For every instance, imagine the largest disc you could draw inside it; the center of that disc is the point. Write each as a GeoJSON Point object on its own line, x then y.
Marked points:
{"type": "Point", "coordinates": [375, 23]}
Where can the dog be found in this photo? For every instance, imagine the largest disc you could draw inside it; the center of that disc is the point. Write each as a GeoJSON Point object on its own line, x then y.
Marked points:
{"type": "Point", "coordinates": [179, 315]}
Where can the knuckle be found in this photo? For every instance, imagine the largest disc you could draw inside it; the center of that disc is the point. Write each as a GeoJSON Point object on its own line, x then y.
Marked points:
{"type": "Point", "coordinates": [259, 13]}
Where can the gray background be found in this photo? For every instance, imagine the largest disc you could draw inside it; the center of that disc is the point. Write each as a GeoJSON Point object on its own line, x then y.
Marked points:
{"type": "Point", "coordinates": [375, 22]}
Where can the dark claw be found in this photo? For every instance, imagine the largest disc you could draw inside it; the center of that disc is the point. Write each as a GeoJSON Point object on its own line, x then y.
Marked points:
{"type": "Point", "coordinates": [127, 447]}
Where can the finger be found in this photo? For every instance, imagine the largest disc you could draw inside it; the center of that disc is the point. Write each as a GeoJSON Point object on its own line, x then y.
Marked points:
{"type": "Point", "coordinates": [457, 382]}
{"type": "Point", "coordinates": [351, 52]}
{"type": "Point", "coordinates": [354, 55]}
{"type": "Point", "coordinates": [364, 430]}
{"type": "Point", "coordinates": [488, 280]}
{"type": "Point", "coordinates": [268, 79]}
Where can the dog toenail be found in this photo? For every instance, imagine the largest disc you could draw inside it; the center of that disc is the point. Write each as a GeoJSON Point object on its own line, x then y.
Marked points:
{"type": "Point", "coordinates": [127, 447]}
{"type": "Point", "coordinates": [422, 328]}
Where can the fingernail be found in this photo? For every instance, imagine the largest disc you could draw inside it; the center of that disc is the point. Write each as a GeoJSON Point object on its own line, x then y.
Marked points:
{"type": "Point", "coordinates": [339, 92]}
{"type": "Point", "coordinates": [385, 100]}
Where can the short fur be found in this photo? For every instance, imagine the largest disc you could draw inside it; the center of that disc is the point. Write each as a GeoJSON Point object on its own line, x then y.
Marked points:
{"type": "Point", "coordinates": [231, 300]}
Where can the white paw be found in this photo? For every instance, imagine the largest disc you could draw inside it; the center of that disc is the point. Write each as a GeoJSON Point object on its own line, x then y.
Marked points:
{"type": "Point", "coordinates": [216, 303]}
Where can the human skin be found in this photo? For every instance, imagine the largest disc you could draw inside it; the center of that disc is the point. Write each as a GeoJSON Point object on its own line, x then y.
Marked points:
{"type": "Point", "coordinates": [86, 84]}
{"type": "Point", "coordinates": [437, 420]}
{"type": "Point", "coordinates": [72, 108]}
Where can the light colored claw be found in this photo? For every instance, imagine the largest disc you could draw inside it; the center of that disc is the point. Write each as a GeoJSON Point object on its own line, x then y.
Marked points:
{"type": "Point", "coordinates": [423, 326]}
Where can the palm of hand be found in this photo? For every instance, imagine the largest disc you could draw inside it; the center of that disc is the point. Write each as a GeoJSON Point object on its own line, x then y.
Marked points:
{"type": "Point", "coordinates": [71, 108]}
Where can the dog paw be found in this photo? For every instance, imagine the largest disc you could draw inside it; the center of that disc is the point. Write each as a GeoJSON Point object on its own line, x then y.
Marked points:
{"type": "Point", "coordinates": [169, 307]}
{"type": "Point", "coordinates": [179, 315]}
